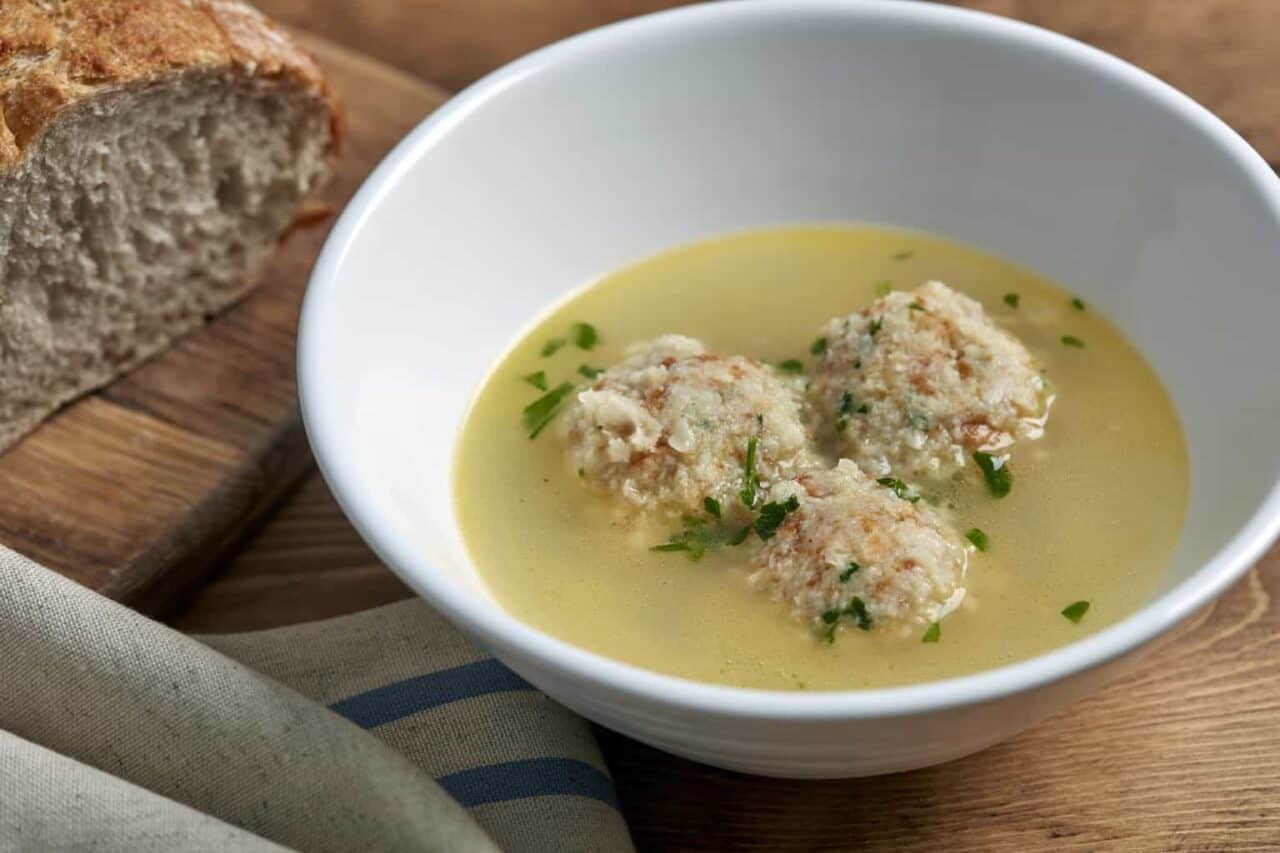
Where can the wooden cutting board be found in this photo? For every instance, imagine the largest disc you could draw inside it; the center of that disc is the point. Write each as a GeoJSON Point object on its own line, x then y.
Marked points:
{"type": "Point", "coordinates": [136, 490]}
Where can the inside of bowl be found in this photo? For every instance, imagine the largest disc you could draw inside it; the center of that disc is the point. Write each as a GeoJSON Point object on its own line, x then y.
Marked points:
{"type": "Point", "coordinates": [602, 152]}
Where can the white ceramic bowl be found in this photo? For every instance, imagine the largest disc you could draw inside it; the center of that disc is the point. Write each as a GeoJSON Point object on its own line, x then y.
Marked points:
{"type": "Point", "coordinates": [607, 147]}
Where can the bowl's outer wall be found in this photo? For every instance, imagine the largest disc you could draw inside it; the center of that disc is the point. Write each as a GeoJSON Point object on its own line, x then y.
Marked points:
{"type": "Point", "coordinates": [818, 748]}
{"type": "Point", "coordinates": [595, 153]}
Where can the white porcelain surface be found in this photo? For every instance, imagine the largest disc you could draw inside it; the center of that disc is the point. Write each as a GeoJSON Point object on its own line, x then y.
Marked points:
{"type": "Point", "coordinates": [603, 149]}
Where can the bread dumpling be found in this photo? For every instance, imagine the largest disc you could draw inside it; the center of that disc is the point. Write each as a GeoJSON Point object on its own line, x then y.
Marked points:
{"type": "Point", "coordinates": [914, 383]}
{"type": "Point", "coordinates": [673, 425]}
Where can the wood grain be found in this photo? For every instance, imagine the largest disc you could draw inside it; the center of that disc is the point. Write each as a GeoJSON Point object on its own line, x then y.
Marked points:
{"type": "Point", "coordinates": [452, 42]}
{"type": "Point", "coordinates": [136, 490]}
{"type": "Point", "coordinates": [1182, 756]}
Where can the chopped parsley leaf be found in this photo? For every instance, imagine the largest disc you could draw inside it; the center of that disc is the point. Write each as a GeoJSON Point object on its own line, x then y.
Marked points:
{"type": "Point", "coordinates": [818, 347]}
{"type": "Point", "coordinates": [589, 371]}
{"type": "Point", "coordinates": [537, 380]}
{"type": "Point", "coordinates": [899, 488]}
{"type": "Point", "coordinates": [695, 540]}
{"type": "Point", "coordinates": [700, 535]}
{"type": "Point", "coordinates": [855, 609]}
{"type": "Point", "coordinates": [750, 479]}
{"type": "Point", "coordinates": [552, 346]}
{"type": "Point", "coordinates": [582, 472]}
{"type": "Point", "coordinates": [933, 634]}
{"type": "Point", "coordinates": [876, 323]}
{"type": "Point", "coordinates": [977, 537]}
{"type": "Point", "coordinates": [584, 335]}
{"type": "Point", "coordinates": [1077, 303]}
{"type": "Point", "coordinates": [772, 515]}
{"type": "Point", "coordinates": [791, 365]}
{"type": "Point", "coordinates": [1011, 299]}
{"type": "Point", "coordinates": [858, 611]}
{"type": "Point", "coordinates": [863, 409]}
{"type": "Point", "coordinates": [884, 288]}
{"type": "Point", "coordinates": [916, 306]}
{"type": "Point", "coordinates": [846, 409]}
{"type": "Point", "coordinates": [1075, 612]}
{"type": "Point", "coordinates": [539, 413]}
{"type": "Point", "coordinates": [1072, 341]}
{"type": "Point", "coordinates": [848, 572]}
{"type": "Point", "coordinates": [996, 472]}
{"type": "Point", "coordinates": [672, 546]}
{"type": "Point", "coordinates": [903, 255]}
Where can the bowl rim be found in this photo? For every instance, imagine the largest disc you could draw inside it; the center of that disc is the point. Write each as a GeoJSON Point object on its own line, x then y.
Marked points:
{"type": "Point", "coordinates": [496, 627]}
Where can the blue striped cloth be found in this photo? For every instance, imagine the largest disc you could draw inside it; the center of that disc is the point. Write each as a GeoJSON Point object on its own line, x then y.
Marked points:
{"type": "Point", "coordinates": [491, 783]}
{"type": "Point", "coordinates": [528, 770]}
{"type": "Point", "coordinates": [385, 730]}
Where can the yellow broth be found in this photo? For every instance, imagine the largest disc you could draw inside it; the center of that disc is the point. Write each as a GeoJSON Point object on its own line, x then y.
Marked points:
{"type": "Point", "coordinates": [1095, 511]}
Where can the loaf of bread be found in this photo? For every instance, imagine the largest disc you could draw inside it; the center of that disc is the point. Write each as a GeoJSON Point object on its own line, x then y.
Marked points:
{"type": "Point", "coordinates": [152, 154]}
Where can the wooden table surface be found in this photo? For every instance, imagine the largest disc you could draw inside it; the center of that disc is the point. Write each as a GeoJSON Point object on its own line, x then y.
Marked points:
{"type": "Point", "coordinates": [1184, 755]}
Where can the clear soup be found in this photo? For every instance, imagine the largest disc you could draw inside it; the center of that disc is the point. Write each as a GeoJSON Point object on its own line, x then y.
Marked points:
{"type": "Point", "coordinates": [1095, 512]}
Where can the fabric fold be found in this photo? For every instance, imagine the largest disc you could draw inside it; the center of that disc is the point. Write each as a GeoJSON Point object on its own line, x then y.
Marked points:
{"type": "Point", "coordinates": [238, 748]}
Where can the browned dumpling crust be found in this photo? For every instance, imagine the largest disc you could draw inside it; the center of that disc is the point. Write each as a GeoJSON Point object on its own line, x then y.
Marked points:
{"type": "Point", "coordinates": [672, 425]}
{"type": "Point", "coordinates": [853, 553]}
{"type": "Point", "coordinates": [912, 384]}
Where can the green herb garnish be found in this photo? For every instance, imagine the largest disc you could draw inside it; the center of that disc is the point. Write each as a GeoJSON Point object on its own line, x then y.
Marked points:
{"type": "Point", "coordinates": [903, 255]}
{"type": "Point", "coordinates": [899, 488]}
{"type": "Point", "coordinates": [772, 515]}
{"type": "Point", "coordinates": [1011, 299]}
{"type": "Point", "coordinates": [552, 346]}
{"type": "Point", "coordinates": [933, 634]}
{"type": "Point", "coordinates": [977, 537]}
{"type": "Point", "coordinates": [741, 536]}
{"type": "Point", "coordinates": [539, 413]}
{"type": "Point", "coordinates": [537, 380]}
{"type": "Point", "coordinates": [996, 472]}
{"type": "Point", "coordinates": [916, 306]}
{"type": "Point", "coordinates": [673, 546]}
{"type": "Point", "coordinates": [1075, 612]}
{"type": "Point", "coordinates": [582, 472]}
{"type": "Point", "coordinates": [791, 365]}
{"type": "Point", "coordinates": [1072, 341]}
{"type": "Point", "coordinates": [750, 479]}
{"type": "Point", "coordinates": [584, 335]}
{"type": "Point", "coordinates": [848, 572]}
{"type": "Point", "coordinates": [855, 609]}
{"type": "Point", "coordinates": [589, 371]}
{"type": "Point", "coordinates": [863, 409]}
{"type": "Point", "coordinates": [818, 347]}
{"type": "Point", "coordinates": [1077, 303]}
{"type": "Point", "coordinates": [876, 323]}
{"type": "Point", "coordinates": [712, 506]}
{"type": "Point", "coordinates": [846, 409]}
{"type": "Point", "coordinates": [695, 539]}
{"type": "Point", "coordinates": [858, 611]}
{"type": "Point", "coordinates": [884, 288]}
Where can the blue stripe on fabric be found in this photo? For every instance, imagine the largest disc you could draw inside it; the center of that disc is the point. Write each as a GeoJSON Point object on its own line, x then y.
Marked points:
{"type": "Point", "coordinates": [534, 777]}
{"type": "Point", "coordinates": [401, 699]}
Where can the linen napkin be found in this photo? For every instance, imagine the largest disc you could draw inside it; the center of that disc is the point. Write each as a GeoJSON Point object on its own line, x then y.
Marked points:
{"type": "Point", "coordinates": [385, 730]}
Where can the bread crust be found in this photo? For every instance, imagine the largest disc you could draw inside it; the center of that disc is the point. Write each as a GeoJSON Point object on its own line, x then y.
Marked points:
{"type": "Point", "coordinates": [56, 53]}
